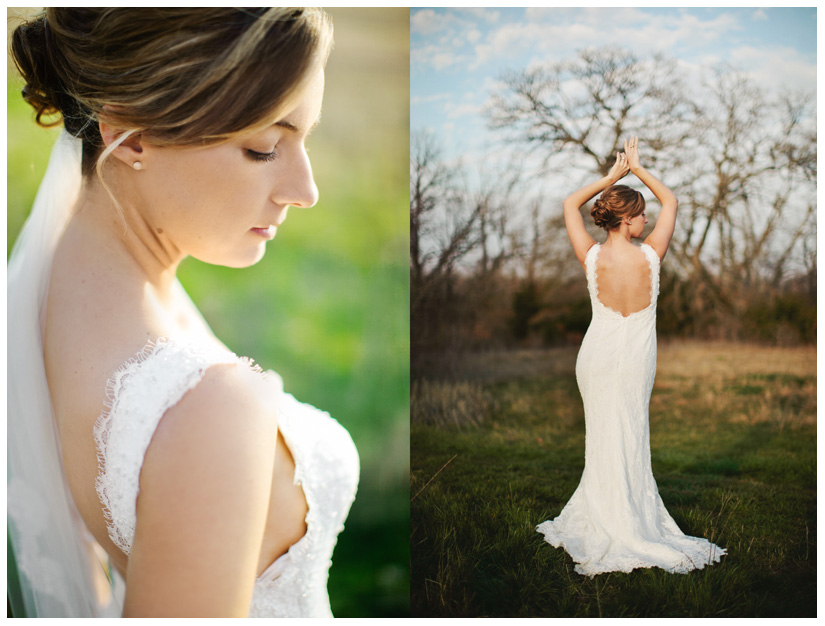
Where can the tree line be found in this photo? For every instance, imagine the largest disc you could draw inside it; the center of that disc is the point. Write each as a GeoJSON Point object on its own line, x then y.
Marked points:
{"type": "Point", "coordinates": [490, 263]}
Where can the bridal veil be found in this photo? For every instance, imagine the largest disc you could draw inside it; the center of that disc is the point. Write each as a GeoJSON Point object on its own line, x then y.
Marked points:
{"type": "Point", "coordinates": [62, 571]}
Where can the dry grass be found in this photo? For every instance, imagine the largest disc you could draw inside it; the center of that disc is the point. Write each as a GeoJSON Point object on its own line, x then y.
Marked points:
{"type": "Point", "coordinates": [448, 404]}
{"type": "Point", "coordinates": [745, 383]}
{"type": "Point", "coordinates": [708, 378]}
{"type": "Point", "coordinates": [497, 365]}
{"type": "Point", "coordinates": [698, 359]}
{"type": "Point", "coordinates": [694, 359]}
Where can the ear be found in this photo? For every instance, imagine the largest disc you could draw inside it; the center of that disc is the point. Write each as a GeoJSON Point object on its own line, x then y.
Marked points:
{"type": "Point", "coordinates": [128, 150]}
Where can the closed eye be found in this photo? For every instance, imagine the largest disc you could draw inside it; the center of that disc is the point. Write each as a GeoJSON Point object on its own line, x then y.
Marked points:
{"type": "Point", "coordinates": [262, 156]}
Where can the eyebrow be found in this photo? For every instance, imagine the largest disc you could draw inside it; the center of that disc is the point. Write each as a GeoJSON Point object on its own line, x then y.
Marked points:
{"type": "Point", "coordinates": [291, 127]}
{"type": "Point", "coordinates": [287, 125]}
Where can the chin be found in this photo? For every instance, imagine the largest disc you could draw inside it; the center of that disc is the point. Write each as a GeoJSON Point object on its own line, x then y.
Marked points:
{"type": "Point", "coordinates": [238, 261]}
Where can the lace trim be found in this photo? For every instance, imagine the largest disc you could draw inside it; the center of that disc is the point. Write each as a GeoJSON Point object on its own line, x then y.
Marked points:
{"type": "Point", "coordinates": [696, 552]}
{"type": "Point", "coordinates": [653, 263]}
{"type": "Point", "coordinates": [114, 485]}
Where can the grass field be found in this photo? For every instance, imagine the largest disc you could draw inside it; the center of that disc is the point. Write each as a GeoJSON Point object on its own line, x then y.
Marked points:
{"type": "Point", "coordinates": [497, 446]}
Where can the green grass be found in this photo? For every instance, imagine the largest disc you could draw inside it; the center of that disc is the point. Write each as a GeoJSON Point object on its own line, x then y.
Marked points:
{"type": "Point", "coordinates": [732, 464]}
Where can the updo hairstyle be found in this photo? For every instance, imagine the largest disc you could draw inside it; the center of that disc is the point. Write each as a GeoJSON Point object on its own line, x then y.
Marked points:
{"type": "Point", "coordinates": [616, 203]}
{"type": "Point", "coordinates": [185, 76]}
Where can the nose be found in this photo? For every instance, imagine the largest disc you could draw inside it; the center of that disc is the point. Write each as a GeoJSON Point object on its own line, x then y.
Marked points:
{"type": "Point", "coordinates": [296, 187]}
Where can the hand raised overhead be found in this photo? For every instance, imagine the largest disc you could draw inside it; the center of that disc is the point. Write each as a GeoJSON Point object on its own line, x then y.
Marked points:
{"type": "Point", "coordinates": [620, 168]}
{"type": "Point", "coordinates": [631, 148]}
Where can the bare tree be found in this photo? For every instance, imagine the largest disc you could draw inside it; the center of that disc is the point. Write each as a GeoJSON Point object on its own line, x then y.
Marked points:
{"type": "Point", "coordinates": [443, 225]}
{"type": "Point", "coordinates": [587, 106]}
{"type": "Point", "coordinates": [499, 228]}
{"type": "Point", "coordinates": [752, 199]}
{"type": "Point", "coordinates": [743, 164]}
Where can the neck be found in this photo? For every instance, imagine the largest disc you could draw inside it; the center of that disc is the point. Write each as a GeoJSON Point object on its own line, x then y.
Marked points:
{"type": "Point", "coordinates": [127, 233]}
{"type": "Point", "coordinates": [621, 233]}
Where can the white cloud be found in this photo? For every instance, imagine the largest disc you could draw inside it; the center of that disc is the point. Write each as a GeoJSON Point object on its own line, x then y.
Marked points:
{"type": "Point", "coordinates": [424, 22]}
{"type": "Point", "coordinates": [461, 110]}
{"type": "Point", "coordinates": [553, 33]}
{"type": "Point", "coordinates": [646, 32]}
{"type": "Point", "coordinates": [441, 60]}
{"type": "Point", "coordinates": [541, 13]}
{"type": "Point", "coordinates": [776, 68]}
{"type": "Point", "coordinates": [480, 13]}
{"type": "Point", "coordinates": [471, 48]}
{"type": "Point", "coordinates": [431, 98]}
{"type": "Point", "coordinates": [435, 57]}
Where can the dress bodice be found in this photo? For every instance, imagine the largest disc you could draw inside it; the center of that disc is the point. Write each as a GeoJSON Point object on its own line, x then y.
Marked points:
{"type": "Point", "coordinates": [326, 467]}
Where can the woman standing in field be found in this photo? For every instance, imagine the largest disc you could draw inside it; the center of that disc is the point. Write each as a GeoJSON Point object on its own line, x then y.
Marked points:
{"type": "Point", "coordinates": [140, 448]}
{"type": "Point", "coordinates": [616, 520]}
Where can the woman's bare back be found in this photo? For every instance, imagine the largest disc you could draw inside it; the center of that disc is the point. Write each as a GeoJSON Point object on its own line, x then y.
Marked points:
{"type": "Point", "coordinates": [623, 278]}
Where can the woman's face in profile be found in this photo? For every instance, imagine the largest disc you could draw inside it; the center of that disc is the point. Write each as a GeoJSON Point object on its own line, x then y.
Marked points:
{"type": "Point", "coordinates": [637, 225]}
{"type": "Point", "coordinates": [222, 203]}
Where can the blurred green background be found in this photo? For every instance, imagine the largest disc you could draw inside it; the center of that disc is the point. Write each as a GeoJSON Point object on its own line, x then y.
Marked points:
{"type": "Point", "coordinates": [328, 306]}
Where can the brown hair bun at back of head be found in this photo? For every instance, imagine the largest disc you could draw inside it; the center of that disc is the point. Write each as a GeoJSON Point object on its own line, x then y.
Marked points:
{"type": "Point", "coordinates": [616, 203]}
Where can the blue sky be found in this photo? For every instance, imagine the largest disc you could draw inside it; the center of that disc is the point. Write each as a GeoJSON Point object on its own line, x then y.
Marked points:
{"type": "Point", "coordinates": [458, 54]}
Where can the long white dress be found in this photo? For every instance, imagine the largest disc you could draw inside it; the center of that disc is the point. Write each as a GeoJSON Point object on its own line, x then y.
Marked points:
{"type": "Point", "coordinates": [616, 521]}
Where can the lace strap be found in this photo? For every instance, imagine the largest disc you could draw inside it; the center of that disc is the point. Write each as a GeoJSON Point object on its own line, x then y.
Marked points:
{"type": "Point", "coordinates": [138, 394]}
{"type": "Point", "coordinates": [590, 268]}
{"type": "Point", "coordinates": [653, 261]}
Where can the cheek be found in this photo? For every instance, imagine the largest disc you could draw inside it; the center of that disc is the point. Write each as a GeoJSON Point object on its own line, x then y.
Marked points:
{"type": "Point", "coordinates": [206, 188]}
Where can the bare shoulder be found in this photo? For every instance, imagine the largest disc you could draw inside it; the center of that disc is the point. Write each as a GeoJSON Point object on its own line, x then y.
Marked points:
{"type": "Point", "coordinates": [216, 440]}
{"type": "Point", "coordinates": [204, 496]}
{"type": "Point", "coordinates": [657, 246]}
{"type": "Point", "coordinates": [230, 398]}
{"type": "Point", "coordinates": [94, 322]}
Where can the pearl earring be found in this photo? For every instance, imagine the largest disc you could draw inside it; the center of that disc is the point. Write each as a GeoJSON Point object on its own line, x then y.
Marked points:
{"type": "Point", "coordinates": [137, 165]}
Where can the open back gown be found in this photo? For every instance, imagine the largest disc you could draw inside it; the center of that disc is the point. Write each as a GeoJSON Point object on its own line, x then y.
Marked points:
{"type": "Point", "coordinates": [616, 520]}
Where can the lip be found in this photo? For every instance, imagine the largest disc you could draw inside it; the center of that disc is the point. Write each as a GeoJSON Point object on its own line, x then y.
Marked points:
{"type": "Point", "coordinates": [267, 233]}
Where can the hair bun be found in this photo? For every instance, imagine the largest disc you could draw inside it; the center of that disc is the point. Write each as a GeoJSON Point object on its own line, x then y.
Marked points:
{"type": "Point", "coordinates": [36, 53]}
{"type": "Point", "coordinates": [602, 214]}
{"type": "Point", "coordinates": [30, 50]}
{"type": "Point", "coordinates": [616, 203]}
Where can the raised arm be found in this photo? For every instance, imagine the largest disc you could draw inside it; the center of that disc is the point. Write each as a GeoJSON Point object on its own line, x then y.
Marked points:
{"type": "Point", "coordinates": [579, 237]}
{"type": "Point", "coordinates": [662, 233]}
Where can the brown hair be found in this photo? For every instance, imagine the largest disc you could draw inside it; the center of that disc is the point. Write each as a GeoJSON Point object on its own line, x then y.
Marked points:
{"type": "Point", "coordinates": [184, 75]}
{"type": "Point", "coordinates": [616, 203]}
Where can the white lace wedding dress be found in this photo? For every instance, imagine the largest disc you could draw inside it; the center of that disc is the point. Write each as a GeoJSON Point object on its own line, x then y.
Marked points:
{"type": "Point", "coordinates": [616, 521]}
{"type": "Point", "coordinates": [326, 467]}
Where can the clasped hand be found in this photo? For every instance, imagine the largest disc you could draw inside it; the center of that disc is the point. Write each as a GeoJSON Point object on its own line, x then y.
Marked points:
{"type": "Point", "coordinates": [626, 161]}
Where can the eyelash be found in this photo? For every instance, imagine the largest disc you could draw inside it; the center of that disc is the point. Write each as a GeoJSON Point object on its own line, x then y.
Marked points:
{"type": "Point", "coordinates": [262, 157]}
